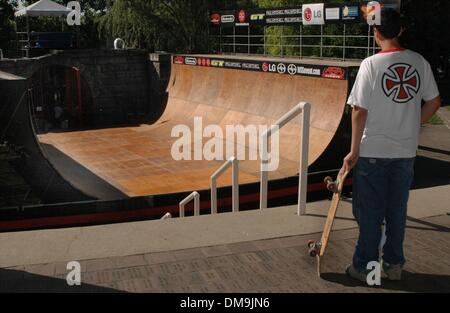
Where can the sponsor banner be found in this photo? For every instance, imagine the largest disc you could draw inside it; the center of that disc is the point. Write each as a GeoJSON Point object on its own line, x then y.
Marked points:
{"type": "Point", "coordinates": [190, 61]}
{"type": "Point", "coordinates": [178, 60]}
{"type": "Point", "coordinates": [282, 68]}
{"type": "Point", "coordinates": [215, 18]}
{"type": "Point", "coordinates": [313, 14]}
{"type": "Point", "coordinates": [283, 16]}
{"type": "Point", "coordinates": [351, 12]}
{"type": "Point", "coordinates": [227, 19]}
{"type": "Point", "coordinates": [308, 14]}
{"type": "Point", "coordinates": [258, 17]}
{"type": "Point", "coordinates": [332, 15]}
{"type": "Point", "coordinates": [242, 18]}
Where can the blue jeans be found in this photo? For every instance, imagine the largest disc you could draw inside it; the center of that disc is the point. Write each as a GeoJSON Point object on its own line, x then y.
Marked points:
{"type": "Point", "coordinates": [381, 192]}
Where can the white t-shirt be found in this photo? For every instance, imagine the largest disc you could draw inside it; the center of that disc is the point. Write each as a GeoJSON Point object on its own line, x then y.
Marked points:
{"type": "Point", "coordinates": [391, 86]}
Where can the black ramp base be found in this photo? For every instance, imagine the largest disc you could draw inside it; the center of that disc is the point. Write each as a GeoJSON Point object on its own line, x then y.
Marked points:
{"type": "Point", "coordinates": [80, 177]}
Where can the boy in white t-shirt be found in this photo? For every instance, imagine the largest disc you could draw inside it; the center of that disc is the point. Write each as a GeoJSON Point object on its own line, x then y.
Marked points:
{"type": "Point", "coordinates": [387, 106]}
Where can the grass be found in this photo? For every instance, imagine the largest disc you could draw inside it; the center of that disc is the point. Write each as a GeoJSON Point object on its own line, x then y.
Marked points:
{"type": "Point", "coordinates": [436, 120]}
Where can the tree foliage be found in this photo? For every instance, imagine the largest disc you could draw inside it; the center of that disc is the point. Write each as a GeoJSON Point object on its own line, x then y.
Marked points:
{"type": "Point", "coordinates": [7, 25]}
{"type": "Point", "coordinates": [182, 26]}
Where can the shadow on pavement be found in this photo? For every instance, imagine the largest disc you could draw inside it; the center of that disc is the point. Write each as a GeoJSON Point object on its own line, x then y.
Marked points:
{"type": "Point", "coordinates": [412, 282]}
{"type": "Point", "coordinates": [427, 226]}
{"type": "Point", "coordinates": [431, 173]}
{"type": "Point", "coordinates": [12, 281]}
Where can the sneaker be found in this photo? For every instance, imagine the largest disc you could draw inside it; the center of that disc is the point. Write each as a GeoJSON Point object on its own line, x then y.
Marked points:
{"type": "Point", "coordinates": [393, 272]}
{"type": "Point", "coordinates": [355, 274]}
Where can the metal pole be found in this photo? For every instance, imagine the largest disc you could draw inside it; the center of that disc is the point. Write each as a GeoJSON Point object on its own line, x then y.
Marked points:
{"type": "Point", "coordinates": [281, 41]}
{"type": "Point", "coordinates": [368, 41]}
{"type": "Point", "coordinates": [265, 32]}
{"type": "Point", "coordinates": [220, 40]}
{"type": "Point", "coordinates": [301, 41]}
{"type": "Point", "coordinates": [234, 164]}
{"type": "Point", "coordinates": [374, 44]}
{"type": "Point", "coordinates": [27, 50]}
{"type": "Point", "coordinates": [234, 39]}
{"type": "Point", "coordinates": [321, 41]}
{"type": "Point", "coordinates": [249, 39]}
{"type": "Point", "coordinates": [344, 42]}
{"type": "Point", "coordinates": [304, 160]}
{"type": "Point", "coordinates": [235, 178]}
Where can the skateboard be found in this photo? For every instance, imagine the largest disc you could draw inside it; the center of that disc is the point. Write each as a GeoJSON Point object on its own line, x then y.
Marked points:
{"type": "Point", "coordinates": [318, 249]}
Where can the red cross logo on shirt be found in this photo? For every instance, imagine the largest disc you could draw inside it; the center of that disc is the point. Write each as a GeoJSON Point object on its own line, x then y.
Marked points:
{"type": "Point", "coordinates": [401, 82]}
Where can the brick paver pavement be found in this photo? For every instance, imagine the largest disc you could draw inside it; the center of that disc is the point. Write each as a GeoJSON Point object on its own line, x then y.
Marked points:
{"type": "Point", "coordinates": [272, 266]}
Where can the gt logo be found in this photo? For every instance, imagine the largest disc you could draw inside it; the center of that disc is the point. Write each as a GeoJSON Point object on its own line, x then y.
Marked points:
{"type": "Point", "coordinates": [257, 17]}
{"type": "Point", "coordinates": [217, 63]}
{"type": "Point", "coordinates": [401, 83]}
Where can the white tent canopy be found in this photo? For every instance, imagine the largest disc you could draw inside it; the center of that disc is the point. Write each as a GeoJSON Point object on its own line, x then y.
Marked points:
{"type": "Point", "coordinates": [44, 8]}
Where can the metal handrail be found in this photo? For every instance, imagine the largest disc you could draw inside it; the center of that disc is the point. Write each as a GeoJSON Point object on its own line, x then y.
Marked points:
{"type": "Point", "coordinates": [193, 196]}
{"type": "Point", "coordinates": [303, 108]}
{"type": "Point", "coordinates": [234, 163]}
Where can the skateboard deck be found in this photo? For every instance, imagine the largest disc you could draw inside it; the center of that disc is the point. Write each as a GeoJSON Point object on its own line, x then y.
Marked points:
{"type": "Point", "coordinates": [318, 249]}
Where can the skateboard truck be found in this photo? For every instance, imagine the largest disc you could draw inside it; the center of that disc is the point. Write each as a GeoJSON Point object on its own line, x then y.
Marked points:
{"type": "Point", "coordinates": [332, 185]}
{"type": "Point", "coordinates": [314, 248]}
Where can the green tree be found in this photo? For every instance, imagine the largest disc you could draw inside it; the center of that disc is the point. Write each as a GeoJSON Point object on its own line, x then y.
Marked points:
{"type": "Point", "coordinates": [172, 25]}
{"type": "Point", "coordinates": [7, 25]}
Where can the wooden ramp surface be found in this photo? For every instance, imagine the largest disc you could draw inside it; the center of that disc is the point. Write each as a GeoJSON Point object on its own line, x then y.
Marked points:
{"type": "Point", "coordinates": [138, 161]}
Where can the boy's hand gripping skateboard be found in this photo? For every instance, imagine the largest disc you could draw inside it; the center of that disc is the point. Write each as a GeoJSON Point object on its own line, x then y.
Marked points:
{"type": "Point", "coordinates": [318, 249]}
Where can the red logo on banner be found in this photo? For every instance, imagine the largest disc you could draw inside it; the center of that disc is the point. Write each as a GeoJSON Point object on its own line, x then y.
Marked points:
{"type": "Point", "coordinates": [265, 67]}
{"type": "Point", "coordinates": [204, 62]}
{"type": "Point", "coordinates": [308, 15]}
{"type": "Point", "coordinates": [334, 73]}
{"type": "Point", "coordinates": [242, 16]}
{"type": "Point", "coordinates": [215, 18]}
{"type": "Point", "coordinates": [178, 60]}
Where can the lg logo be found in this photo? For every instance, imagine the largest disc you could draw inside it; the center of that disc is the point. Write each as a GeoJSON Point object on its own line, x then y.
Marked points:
{"type": "Point", "coordinates": [308, 14]}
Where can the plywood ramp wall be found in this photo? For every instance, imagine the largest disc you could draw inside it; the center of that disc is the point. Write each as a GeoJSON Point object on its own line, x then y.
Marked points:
{"type": "Point", "coordinates": [138, 160]}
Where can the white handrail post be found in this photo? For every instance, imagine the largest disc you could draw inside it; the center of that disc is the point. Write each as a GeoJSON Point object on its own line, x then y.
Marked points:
{"type": "Point", "coordinates": [235, 177]}
{"type": "Point", "coordinates": [234, 163]}
{"type": "Point", "coordinates": [193, 196]}
{"type": "Point", "coordinates": [304, 108]}
{"type": "Point", "coordinates": [264, 173]}
{"type": "Point", "coordinates": [213, 196]}
{"type": "Point", "coordinates": [304, 160]}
